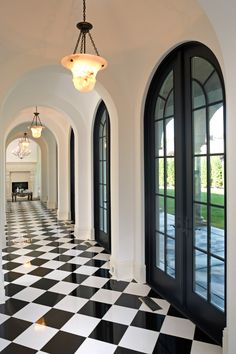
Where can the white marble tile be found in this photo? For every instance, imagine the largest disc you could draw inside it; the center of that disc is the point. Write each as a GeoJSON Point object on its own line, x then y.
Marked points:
{"type": "Point", "coordinates": [106, 296]}
{"type": "Point", "coordinates": [63, 287]}
{"type": "Point", "coordinates": [71, 303]}
{"type": "Point", "coordinates": [32, 312]}
{"type": "Point", "coordinates": [179, 327]}
{"type": "Point", "coordinates": [137, 289]}
{"type": "Point", "coordinates": [26, 280]}
{"type": "Point", "coordinates": [36, 336]}
{"type": "Point", "coordinates": [205, 348]}
{"type": "Point", "coordinates": [87, 270]}
{"type": "Point", "coordinates": [93, 346]}
{"type": "Point", "coordinates": [96, 282]}
{"type": "Point", "coordinates": [29, 294]}
{"type": "Point", "coordinates": [139, 339]}
{"type": "Point", "coordinates": [81, 325]}
{"type": "Point", "coordinates": [120, 314]}
{"type": "Point", "coordinates": [57, 274]}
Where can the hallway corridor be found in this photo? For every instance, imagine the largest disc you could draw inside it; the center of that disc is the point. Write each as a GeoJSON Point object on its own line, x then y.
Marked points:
{"type": "Point", "coordinates": [60, 297]}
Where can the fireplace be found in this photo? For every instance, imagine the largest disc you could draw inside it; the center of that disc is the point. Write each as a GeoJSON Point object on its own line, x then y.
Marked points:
{"type": "Point", "coordinates": [20, 185]}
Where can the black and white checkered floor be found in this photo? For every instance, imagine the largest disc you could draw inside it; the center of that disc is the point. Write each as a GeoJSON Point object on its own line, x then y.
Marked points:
{"type": "Point", "coordinates": [60, 297]}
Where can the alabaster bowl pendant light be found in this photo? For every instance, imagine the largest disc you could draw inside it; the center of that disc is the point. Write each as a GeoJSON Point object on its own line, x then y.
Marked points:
{"type": "Point", "coordinates": [84, 66]}
{"type": "Point", "coordinates": [36, 125]}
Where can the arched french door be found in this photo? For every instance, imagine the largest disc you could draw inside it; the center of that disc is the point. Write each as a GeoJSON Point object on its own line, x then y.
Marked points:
{"type": "Point", "coordinates": [185, 185]}
{"type": "Point", "coordinates": [101, 164]}
{"type": "Point", "coordinates": [72, 175]}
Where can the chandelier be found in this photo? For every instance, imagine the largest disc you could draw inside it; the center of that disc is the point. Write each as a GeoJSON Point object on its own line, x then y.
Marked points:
{"type": "Point", "coordinates": [84, 66]}
{"type": "Point", "coordinates": [36, 125]}
{"type": "Point", "coordinates": [24, 142]}
{"type": "Point", "coordinates": [22, 150]}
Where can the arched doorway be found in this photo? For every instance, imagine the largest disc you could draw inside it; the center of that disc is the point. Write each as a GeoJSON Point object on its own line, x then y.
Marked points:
{"type": "Point", "coordinates": [101, 164]}
{"type": "Point", "coordinates": [185, 172]}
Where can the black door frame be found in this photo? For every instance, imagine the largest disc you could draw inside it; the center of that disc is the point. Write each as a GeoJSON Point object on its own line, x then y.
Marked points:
{"type": "Point", "coordinates": [72, 175]}
{"type": "Point", "coordinates": [178, 296]}
{"type": "Point", "coordinates": [102, 238]}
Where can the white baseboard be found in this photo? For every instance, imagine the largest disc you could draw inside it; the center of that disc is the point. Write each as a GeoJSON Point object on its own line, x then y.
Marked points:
{"type": "Point", "coordinates": [140, 273]}
{"type": "Point", "coordinates": [51, 205]}
{"type": "Point", "coordinates": [63, 215]}
{"type": "Point", "coordinates": [83, 234]}
{"type": "Point", "coordinates": [225, 341]}
{"type": "Point", "coordinates": [121, 270]}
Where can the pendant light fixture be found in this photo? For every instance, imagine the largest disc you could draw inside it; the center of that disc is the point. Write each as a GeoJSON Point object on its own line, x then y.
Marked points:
{"type": "Point", "coordinates": [36, 125]}
{"type": "Point", "coordinates": [84, 66]}
{"type": "Point", "coordinates": [24, 142]}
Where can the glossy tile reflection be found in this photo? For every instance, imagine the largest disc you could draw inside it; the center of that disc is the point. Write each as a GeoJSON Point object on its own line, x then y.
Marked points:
{"type": "Point", "coordinates": [60, 293]}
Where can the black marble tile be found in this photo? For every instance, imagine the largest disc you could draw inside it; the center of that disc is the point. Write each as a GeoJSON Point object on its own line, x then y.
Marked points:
{"type": "Point", "coordinates": [12, 306]}
{"type": "Point", "coordinates": [59, 250]}
{"type": "Point", "coordinates": [12, 289]}
{"type": "Point", "coordinates": [62, 343]}
{"type": "Point", "coordinates": [33, 247]}
{"type": "Point", "coordinates": [88, 254]}
{"type": "Point", "coordinates": [41, 272]}
{"type": "Point", "coordinates": [14, 348]}
{"type": "Point", "coordinates": [11, 265]}
{"type": "Point", "coordinates": [55, 318]}
{"type": "Point", "coordinates": [69, 267]}
{"type": "Point", "coordinates": [154, 294]}
{"type": "Point", "coordinates": [10, 257]}
{"type": "Point", "coordinates": [38, 262]}
{"type": "Point", "coordinates": [95, 263]}
{"type": "Point", "coordinates": [201, 336]}
{"type": "Point", "coordinates": [174, 312]}
{"type": "Point", "coordinates": [94, 309]}
{"type": "Point", "coordinates": [129, 300]}
{"type": "Point", "coordinates": [167, 344]}
{"type": "Point", "coordinates": [53, 244]}
{"type": "Point", "coordinates": [84, 291]}
{"type": "Point", "coordinates": [80, 248]}
{"type": "Point", "coordinates": [104, 273]}
{"type": "Point", "coordinates": [115, 285]}
{"type": "Point", "coordinates": [44, 284]}
{"type": "Point", "coordinates": [76, 278]}
{"type": "Point", "coordinates": [63, 258]}
{"type": "Point", "coordinates": [11, 276]}
{"type": "Point", "coordinates": [9, 249]}
{"type": "Point", "coordinates": [108, 332]}
{"type": "Point", "coordinates": [49, 299]}
{"type": "Point", "coordinates": [35, 253]}
{"type": "Point", "coordinates": [13, 327]}
{"type": "Point", "coordinates": [148, 320]}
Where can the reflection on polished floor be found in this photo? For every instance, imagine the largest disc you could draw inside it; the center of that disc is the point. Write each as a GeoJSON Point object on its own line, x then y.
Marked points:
{"type": "Point", "coordinates": [61, 299]}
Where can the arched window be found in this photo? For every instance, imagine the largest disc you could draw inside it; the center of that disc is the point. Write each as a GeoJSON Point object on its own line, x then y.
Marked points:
{"type": "Point", "coordinates": [102, 177]}
{"type": "Point", "coordinates": [185, 185]}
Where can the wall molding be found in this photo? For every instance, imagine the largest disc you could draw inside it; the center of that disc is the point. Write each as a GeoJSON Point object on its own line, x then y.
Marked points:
{"type": "Point", "coordinates": [51, 205]}
{"type": "Point", "coordinates": [83, 234]}
{"type": "Point", "coordinates": [121, 270]}
{"type": "Point", "coordinates": [63, 215]}
{"type": "Point", "coordinates": [139, 272]}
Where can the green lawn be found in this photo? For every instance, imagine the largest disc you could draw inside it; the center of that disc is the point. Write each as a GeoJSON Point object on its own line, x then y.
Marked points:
{"type": "Point", "coordinates": [217, 214]}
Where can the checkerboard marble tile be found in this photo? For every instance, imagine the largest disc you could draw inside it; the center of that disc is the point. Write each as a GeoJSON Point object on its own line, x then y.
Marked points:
{"type": "Point", "coordinates": [61, 299]}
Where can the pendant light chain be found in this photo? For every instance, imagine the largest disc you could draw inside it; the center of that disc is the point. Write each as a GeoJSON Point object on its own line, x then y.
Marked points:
{"type": "Point", "coordinates": [84, 10]}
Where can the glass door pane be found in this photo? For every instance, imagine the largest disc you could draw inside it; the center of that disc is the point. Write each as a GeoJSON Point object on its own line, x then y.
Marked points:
{"type": "Point", "coordinates": [165, 177]}
{"type": "Point", "coordinates": [208, 182]}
